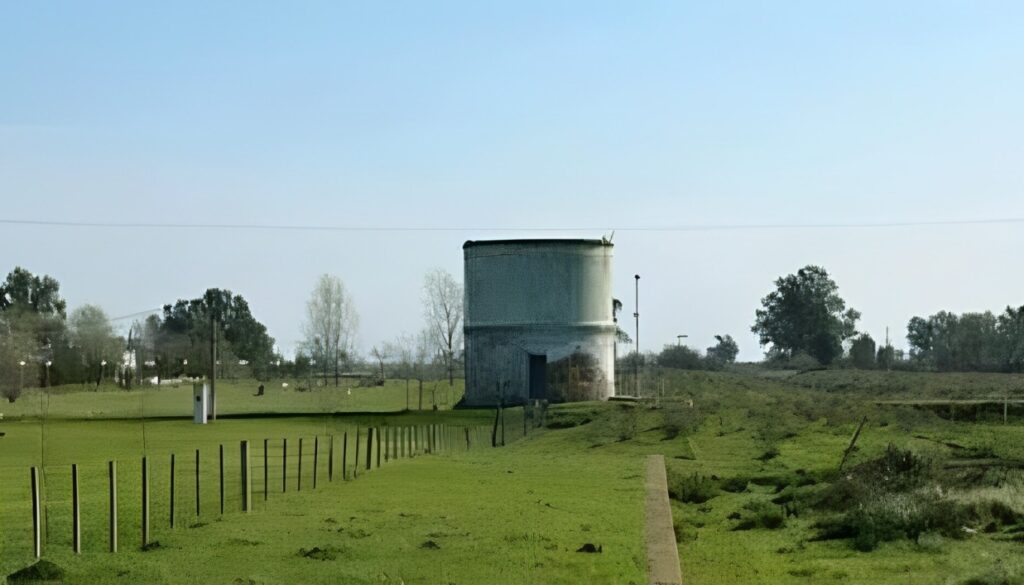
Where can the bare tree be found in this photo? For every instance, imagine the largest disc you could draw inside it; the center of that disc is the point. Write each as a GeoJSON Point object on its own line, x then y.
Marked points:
{"type": "Point", "coordinates": [331, 324]}
{"type": "Point", "coordinates": [442, 307]}
{"type": "Point", "coordinates": [381, 354]}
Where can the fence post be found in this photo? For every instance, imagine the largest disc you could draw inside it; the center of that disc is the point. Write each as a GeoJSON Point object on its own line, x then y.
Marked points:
{"type": "Point", "coordinates": [298, 478]}
{"type": "Point", "coordinates": [222, 479]}
{"type": "Point", "coordinates": [37, 541]}
{"type": "Point", "coordinates": [355, 467]}
{"type": "Point", "coordinates": [76, 512]}
{"type": "Point", "coordinates": [266, 470]}
{"type": "Point", "coordinates": [284, 465]}
{"type": "Point", "coordinates": [316, 455]}
{"type": "Point", "coordinates": [330, 458]}
{"type": "Point", "coordinates": [197, 484]}
{"type": "Point", "coordinates": [172, 491]}
{"type": "Point", "coordinates": [112, 478]}
{"type": "Point", "coordinates": [246, 478]}
{"type": "Point", "coordinates": [387, 443]}
{"type": "Point", "coordinates": [344, 456]}
{"type": "Point", "coordinates": [380, 444]}
{"type": "Point", "coordinates": [145, 502]}
{"type": "Point", "coordinates": [369, 447]}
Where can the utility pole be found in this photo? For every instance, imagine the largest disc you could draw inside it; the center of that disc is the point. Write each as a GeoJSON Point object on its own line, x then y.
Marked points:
{"type": "Point", "coordinates": [636, 357]}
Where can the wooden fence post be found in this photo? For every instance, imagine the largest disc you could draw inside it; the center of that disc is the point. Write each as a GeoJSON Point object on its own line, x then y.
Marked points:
{"type": "Point", "coordinates": [298, 479]}
{"type": "Point", "coordinates": [246, 478]}
{"type": "Point", "coordinates": [112, 475]}
{"type": "Point", "coordinates": [380, 443]}
{"type": "Point", "coordinates": [112, 479]}
{"type": "Point", "coordinates": [37, 541]}
{"type": "Point", "coordinates": [284, 465]}
{"type": "Point", "coordinates": [172, 492]}
{"type": "Point", "coordinates": [197, 484]}
{"type": "Point", "coordinates": [355, 467]}
{"type": "Point", "coordinates": [76, 512]}
{"type": "Point", "coordinates": [330, 458]}
{"type": "Point", "coordinates": [369, 447]}
{"type": "Point", "coordinates": [316, 455]}
{"type": "Point", "coordinates": [344, 456]}
{"type": "Point", "coordinates": [222, 479]}
{"type": "Point", "coordinates": [266, 470]}
{"type": "Point", "coordinates": [145, 502]}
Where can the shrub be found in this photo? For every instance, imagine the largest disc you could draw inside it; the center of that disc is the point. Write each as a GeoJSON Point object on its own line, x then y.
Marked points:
{"type": "Point", "coordinates": [680, 418]}
{"type": "Point", "coordinates": [692, 489]}
{"type": "Point", "coordinates": [760, 514]}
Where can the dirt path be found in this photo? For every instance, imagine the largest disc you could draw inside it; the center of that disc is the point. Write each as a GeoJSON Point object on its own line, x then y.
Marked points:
{"type": "Point", "coordinates": [659, 536]}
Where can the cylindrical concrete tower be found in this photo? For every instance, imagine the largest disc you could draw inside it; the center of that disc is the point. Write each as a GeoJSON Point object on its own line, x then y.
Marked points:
{"type": "Point", "coordinates": [538, 321]}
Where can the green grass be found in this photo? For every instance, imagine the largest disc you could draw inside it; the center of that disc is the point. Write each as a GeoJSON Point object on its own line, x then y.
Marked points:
{"type": "Point", "coordinates": [504, 515]}
{"type": "Point", "coordinates": [517, 514]}
{"type": "Point", "coordinates": [234, 397]}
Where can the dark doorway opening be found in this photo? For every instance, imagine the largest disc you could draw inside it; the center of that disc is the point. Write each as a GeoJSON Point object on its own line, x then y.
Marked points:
{"type": "Point", "coordinates": [538, 377]}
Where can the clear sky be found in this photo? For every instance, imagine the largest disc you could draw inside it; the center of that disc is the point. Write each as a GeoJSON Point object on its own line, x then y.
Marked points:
{"type": "Point", "coordinates": [521, 115]}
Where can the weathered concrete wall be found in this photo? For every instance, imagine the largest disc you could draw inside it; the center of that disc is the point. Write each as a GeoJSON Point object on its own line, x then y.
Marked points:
{"type": "Point", "coordinates": [541, 297]}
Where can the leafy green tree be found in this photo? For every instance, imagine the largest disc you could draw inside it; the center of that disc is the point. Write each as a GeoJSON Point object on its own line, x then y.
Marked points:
{"type": "Point", "coordinates": [983, 341]}
{"type": "Point", "coordinates": [680, 357]}
{"type": "Point", "coordinates": [806, 313]}
{"type": "Point", "coordinates": [862, 352]}
{"type": "Point", "coordinates": [886, 356]}
{"type": "Point", "coordinates": [725, 351]}
{"type": "Point", "coordinates": [91, 333]}
{"type": "Point", "coordinates": [184, 332]}
{"type": "Point", "coordinates": [1010, 328]}
{"type": "Point", "coordinates": [32, 319]}
{"type": "Point", "coordinates": [38, 294]}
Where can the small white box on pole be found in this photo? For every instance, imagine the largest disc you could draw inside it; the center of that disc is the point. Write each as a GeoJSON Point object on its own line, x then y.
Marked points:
{"type": "Point", "coordinates": [200, 402]}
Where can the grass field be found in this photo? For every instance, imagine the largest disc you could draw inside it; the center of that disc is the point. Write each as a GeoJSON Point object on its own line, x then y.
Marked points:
{"type": "Point", "coordinates": [234, 397]}
{"type": "Point", "coordinates": [750, 447]}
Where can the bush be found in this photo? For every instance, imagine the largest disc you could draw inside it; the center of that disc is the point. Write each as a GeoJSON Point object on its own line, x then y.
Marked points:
{"type": "Point", "coordinates": [680, 418]}
{"type": "Point", "coordinates": [691, 489]}
{"type": "Point", "coordinates": [760, 515]}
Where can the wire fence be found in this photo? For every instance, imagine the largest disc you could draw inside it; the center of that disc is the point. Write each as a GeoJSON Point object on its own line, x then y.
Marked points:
{"type": "Point", "coordinates": [106, 505]}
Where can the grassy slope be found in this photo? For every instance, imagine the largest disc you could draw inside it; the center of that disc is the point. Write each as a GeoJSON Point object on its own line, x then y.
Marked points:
{"type": "Point", "coordinates": [728, 445]}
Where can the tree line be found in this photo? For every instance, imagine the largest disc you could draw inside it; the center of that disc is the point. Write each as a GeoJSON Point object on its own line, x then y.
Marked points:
{"type": "Point", "coordinates": [43, 345]}
{"type": "Point", "coordinates": [805, 323]}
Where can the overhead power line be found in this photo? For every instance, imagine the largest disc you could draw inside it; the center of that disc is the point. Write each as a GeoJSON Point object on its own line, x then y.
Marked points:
{"type": "Point", "coordinates": [409, 228]}
{"type": "Point", "coordinates": [139, 314]}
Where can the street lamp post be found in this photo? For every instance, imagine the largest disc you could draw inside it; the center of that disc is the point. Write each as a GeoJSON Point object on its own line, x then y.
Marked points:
{"type": "Point", "coordinates": [103, 369]}
{"type": "Point", "coordinates": [48, 364]}
{"type": "Point", "coordinates": [679, 339]}
{"type": "Point", "coordinates": [21, 370]}
{"type": "Point", "coordinates": [636, 357]}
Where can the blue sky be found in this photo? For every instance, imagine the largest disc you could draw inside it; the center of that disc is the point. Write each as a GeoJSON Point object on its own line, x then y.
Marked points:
{"type": "Point", "coordinates": [543, 115]}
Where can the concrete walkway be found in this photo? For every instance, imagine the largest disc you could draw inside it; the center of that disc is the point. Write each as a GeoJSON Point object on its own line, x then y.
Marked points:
{"type": "Point", "coordinates": [659, 536]}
